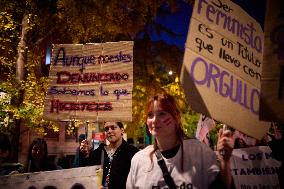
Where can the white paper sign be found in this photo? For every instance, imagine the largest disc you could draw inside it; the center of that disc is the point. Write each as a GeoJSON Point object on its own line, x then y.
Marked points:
{"type": "Point", "coordinates": [79, 178]}
{"type": "Point", "coordinates": [255, 168]}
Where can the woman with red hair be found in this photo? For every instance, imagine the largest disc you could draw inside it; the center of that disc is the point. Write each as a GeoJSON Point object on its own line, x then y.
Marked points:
{"type": "Point", "coordinates": [175, 161]}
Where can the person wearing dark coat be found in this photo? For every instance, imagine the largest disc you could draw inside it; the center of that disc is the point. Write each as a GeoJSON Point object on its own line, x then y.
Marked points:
{"type": "Point", "coordinates": [276, 145]}
{"type": "Point", "coordinates": [7, 167]}
{"type": "Point", "coordinates": [116, 156]}
{"type": "Point", "coordinates": [76, 159]}
{"type": "Point", "coordinates": [38, 157]}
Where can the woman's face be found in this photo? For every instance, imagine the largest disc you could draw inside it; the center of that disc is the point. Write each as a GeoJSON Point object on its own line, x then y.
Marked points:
{"type": "Point", "coordinates": [161, 123]}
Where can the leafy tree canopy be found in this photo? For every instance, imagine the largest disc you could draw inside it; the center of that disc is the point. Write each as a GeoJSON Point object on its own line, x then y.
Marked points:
{"type": "Point", "coordinates": [28, 27]}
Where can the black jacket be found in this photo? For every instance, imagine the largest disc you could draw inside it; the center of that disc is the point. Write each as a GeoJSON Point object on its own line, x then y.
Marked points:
{"type": "Point", "coordinates": [119, 167]}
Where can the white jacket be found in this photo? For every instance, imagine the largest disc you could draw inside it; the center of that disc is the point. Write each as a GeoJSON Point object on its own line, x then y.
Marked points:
{"type": "Point", "coordinates": [200, 168]}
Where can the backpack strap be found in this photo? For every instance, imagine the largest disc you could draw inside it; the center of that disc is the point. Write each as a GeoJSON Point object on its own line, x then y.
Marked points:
{"type": "Point", "coordinates": [167, 176]}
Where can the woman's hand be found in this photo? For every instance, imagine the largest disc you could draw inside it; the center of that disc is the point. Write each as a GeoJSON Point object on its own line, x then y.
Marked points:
{"type": "Point", "coordinates": [225, 145]}
{"type": "Point", "coordinates": [85, 148]}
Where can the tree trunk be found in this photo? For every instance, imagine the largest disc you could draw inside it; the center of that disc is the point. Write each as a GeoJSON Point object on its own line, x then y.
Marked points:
{"type": "Point", "coordinates": [20, 71]}
{"type": "Point", "coordinates": [20, 76]}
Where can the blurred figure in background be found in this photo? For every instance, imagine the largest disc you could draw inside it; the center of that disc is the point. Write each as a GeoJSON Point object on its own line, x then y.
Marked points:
{"type": "Point", "coordinates": [6, 166]}
{"type": "Point", "coordinates": [76, 162]}
{"type": "Point", "coordinates": [240, 143]}
{"type": "Point", "coordinates": [63, 161]}
{"type": "Point", "coordinates": [276, 144]}
{"type": "Point", "coordinates": [37, 157]}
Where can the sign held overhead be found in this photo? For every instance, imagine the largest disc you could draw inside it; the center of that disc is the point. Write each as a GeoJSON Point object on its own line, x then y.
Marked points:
{"type": "Point", "coordinates": [222, 65]}
{"type": "Point", "coordinates": [90, 82]}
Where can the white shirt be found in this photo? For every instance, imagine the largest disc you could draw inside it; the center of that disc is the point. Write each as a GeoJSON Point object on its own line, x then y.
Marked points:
{"type": "Point", "coordinates": [200, 168]}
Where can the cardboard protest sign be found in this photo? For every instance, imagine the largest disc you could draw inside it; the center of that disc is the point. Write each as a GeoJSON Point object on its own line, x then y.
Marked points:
{"type": "Point", "coordinates": [254, 168]}
{"type": "Point", "coordinates": [222, 65]}
{"type": "Point", "coordinates": [84, 177]}
{"type": "Point", "coordinates": [90, 82]}
{"type": "Point", "coordinates": [272, 81]}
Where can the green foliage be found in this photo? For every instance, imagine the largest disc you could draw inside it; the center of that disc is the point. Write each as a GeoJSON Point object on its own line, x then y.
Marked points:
{"type": "Point", "coordinates": [5, 119]}
{"type": "Point", "coordinates": [73, 125]}
{"type": "Point", "coordinates": [189, 121]}
{"type": "Point", "coordinates": [31, 108]}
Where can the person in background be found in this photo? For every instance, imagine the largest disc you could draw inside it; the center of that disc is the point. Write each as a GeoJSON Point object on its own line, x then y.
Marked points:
{"type": "Point", "coordinates": [130, 141]}
{"type": "Point", "coordinates": [62, 161]}
{"type": "Point", "coordinates": [264, 141]}
{"type": "Point", "coordinates": [276, 145]}
{"type": "Point", "coordinates": [116, 156]}
{"type": "Point", "coordinates": [76, 159]}
{"type": "Point", "coordinates": [175, 161]}
{"type": "Point", "coordinates": [38, 157]}
{"type": "Point", "coordinates": [240, 143]}
{"type": "Point", "coordinates": [6, 166]}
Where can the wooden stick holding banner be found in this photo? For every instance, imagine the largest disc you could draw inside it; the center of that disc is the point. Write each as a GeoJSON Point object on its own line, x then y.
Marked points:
{"type": "Point", "coordinates": [86, 128]}
{"type": "Point", "coordinates": [222, 152]}
{"type": "Point", "coordinates": [100, 171]}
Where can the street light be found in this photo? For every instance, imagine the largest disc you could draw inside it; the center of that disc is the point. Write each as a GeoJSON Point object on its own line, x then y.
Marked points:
{"type": "Point", "coordinates": [170, 72]}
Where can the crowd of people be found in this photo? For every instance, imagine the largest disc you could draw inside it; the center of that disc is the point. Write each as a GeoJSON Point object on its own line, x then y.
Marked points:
{"type": "Point", "coordinates": [173, 161]}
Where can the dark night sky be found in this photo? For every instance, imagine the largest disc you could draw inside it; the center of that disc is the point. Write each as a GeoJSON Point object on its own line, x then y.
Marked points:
{"type": "Point", "coordinates": [179, 21]}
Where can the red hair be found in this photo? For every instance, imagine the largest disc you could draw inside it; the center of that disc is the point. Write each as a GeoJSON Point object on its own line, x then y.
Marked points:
{"type": "Point", "coordinates": [167, 103]}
